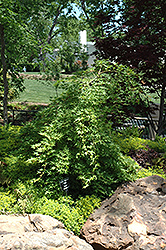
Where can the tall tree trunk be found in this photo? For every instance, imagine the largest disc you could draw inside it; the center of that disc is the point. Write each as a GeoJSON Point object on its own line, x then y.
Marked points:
{"type": "Point", "coordinates": [3, 60]}
{"type": "Point", "coordinates": [42, 57]}
{"type": "Point", "coordinates": [161, 123]}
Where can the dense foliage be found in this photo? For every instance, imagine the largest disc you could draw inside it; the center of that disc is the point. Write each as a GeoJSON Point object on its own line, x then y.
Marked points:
{"type": "Point", "coordinates": [24, 200]}
{"type": "Point", "coordinates": [150, 155]}
{"type": "Point", "coordinates": [25, 196]}
{"type": "Point", "coordinates": [75, 137]}
{"type": "Point", "coordinates": [16, 43]}
{"type": "Point", "coordinates": [135, 37]}
{"type": "Point", "coordinates": [30, 33]}
{"type": "Point", "coordinates": [72, 136]}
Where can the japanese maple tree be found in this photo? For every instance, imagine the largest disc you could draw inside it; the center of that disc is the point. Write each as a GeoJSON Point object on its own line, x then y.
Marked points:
{"type": "Point", "coordinates": [138, 40]}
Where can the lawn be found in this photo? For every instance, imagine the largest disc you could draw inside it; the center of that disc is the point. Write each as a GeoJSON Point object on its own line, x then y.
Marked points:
{"type": "Point", "coordinates": [37, 91]}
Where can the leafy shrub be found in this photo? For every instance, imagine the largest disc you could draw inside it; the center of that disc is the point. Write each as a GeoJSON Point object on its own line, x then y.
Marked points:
{"type": "Point", "coordinates": [26, 199]}
{"type": "Point", "coordinates": [145, 172]}
{"type": "Point", "coordinates": [147, 153]}
{"type": "Point", "coordinates": [128, 132]}
{"type": "Point", "coordinates": [159, 144]}
{"type": "Point", "coordinates": [10, 160]}
{"type": "Point", "coordinates": [72, 136]}
{"type": "Point", "coordinates": [8, 145]}
{"type": "Point", "coordinates": [8, 140]}
{"type": "Point", "coordinates": [129, 140]}
{"type": "Point", "coordinates": [86, 205]}
{"type": "Point", "coordinates": [7, 201]}
{"type": "Point", "coordinates": [130, 143]}
{"type": "Point", "coordinates": [72, 214]}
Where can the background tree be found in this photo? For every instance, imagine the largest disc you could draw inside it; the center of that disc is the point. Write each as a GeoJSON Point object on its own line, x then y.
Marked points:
{"type": "Point", "coordinates": [16, 43]}
{"type": "Point", "coordinates": [55, 23]}
{"type": "Point", "coordinates": [139, 40]}
{"type": "Point", "coordinates": [27, 29]}
{"type": "Point", "coordinates": [98, 15]}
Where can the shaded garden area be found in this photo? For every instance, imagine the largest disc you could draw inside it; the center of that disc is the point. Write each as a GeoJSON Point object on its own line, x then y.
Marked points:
{"type": "Point", "coordinates": [84, 135]}
{"type": "Point", "coordinates": [74, 138]}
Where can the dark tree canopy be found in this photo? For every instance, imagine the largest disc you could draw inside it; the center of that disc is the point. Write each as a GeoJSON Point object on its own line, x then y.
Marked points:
{"type": "Point", "coordinates": [138, 40]}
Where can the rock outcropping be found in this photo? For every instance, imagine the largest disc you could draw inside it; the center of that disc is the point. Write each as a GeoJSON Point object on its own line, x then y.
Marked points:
{"type": "Point", "coordinates": [37, 232]}
{"type": "Point", "coordinates": [134, 218]}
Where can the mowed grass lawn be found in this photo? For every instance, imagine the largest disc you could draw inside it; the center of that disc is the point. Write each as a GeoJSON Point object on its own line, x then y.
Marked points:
{"type": "Point", "coordinates": [37, 91]}
{"type": "Point", "coordinates": [40, 91]}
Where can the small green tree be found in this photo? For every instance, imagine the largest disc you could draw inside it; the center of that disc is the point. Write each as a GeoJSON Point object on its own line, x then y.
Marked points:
{"type": "Point", "coordinates": [72, 57]}
{"type": "Point", "coordinates": [72, 137]}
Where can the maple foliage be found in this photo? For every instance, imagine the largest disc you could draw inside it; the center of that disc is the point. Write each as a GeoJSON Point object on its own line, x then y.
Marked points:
{"type": "Point", "coordinates": [138, 40]}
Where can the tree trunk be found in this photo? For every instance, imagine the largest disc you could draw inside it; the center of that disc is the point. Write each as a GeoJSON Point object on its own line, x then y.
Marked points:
{"type": "Point", "coordinates": [42, 57]}
{"type": "Point", "coordinates": [161, 123]}
{"type": "Point", "coordinates": [3, 60]}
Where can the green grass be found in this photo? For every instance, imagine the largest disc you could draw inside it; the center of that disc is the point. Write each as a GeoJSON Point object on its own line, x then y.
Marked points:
{"type": "Point", "coordinates": [32, 73]}
{"type": "Point", "coordinates": [37, 91]}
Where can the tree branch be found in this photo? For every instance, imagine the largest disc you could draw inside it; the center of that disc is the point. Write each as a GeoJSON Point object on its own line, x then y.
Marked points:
{"type": "Point", "coordinates": [86, 14]}
{"type": "Point", "coordinates": [53, 25]}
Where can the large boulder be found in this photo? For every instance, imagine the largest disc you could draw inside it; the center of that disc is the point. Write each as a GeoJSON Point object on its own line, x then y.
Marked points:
{"type": "Point", "coordinates": [133, 218]}
{"type": "Point", "coordinates": [37, 231]}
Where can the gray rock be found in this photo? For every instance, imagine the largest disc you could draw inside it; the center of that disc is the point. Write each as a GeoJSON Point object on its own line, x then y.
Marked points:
{"type": "Point", "coordinates": [134, 218]}
{"type": "Point", "coordinates": [37, 231]}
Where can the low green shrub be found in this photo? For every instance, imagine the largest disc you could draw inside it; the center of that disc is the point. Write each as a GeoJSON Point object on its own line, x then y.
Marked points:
{"type": "Point", "coordinates": [130, 143]}
{"type": "Point", "coordinates": [85, 205]}
{"type": "Point", "coordinates": [128, 132]}
{"type": "Point", "coordinates": [7, 201]}
{"type": "Point", "coordinates": [8, 140]}
{"type": "Point", "coordinates": [129, 140]}
{"type": "Point", "coordinates": [143, 172]}
{"type": "Point", "coordinates": [25, 199]}
{"type": "Point", "coordinates": [151, 155]}
{"type": "Point", "coordinates": [72, 214]}
{"type": "Point", "coordinates": [159, 144]}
